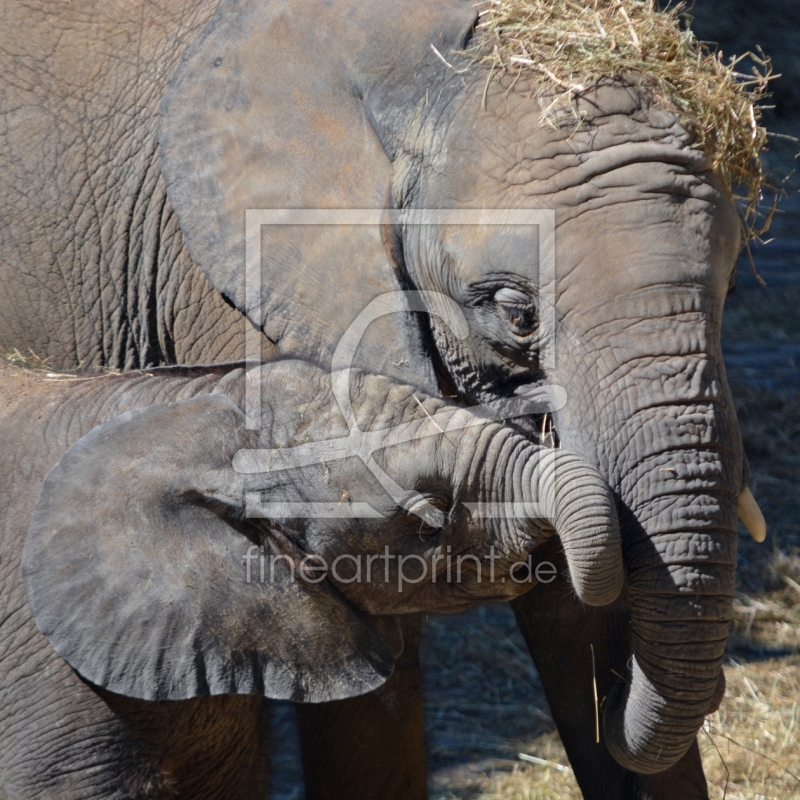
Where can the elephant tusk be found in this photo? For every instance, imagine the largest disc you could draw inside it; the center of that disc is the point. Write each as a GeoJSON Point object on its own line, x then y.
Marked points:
{"type": "Point", "coordinates": [751, 516]}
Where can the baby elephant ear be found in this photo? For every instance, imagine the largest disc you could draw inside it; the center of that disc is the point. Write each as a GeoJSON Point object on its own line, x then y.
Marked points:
{"type": "Point", "coordinates": [138, 575]}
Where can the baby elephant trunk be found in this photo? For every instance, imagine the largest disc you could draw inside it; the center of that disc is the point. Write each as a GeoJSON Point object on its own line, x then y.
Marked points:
{"type": "Point", "coordinates": [564, 491]}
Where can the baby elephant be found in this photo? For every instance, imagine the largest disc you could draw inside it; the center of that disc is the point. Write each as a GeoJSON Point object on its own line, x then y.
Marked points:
{"type": "Point", "coordinates": [180, 548]}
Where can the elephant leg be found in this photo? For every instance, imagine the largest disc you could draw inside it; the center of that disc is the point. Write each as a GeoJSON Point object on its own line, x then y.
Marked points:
{"type": "Point", "coordinates": [560, 633]}
{"type": "Point", "coordinates": [370, 747]}
{"type": "Point", "coordinates": [206, 748]}
{"type": "Point", "coordinates": [685, 779]}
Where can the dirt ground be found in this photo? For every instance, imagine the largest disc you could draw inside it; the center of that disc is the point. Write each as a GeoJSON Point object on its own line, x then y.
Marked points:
{"type": "Point", "coordinates": [484, 701]}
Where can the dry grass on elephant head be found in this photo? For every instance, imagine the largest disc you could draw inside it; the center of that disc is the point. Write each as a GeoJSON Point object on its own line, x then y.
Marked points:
{"type": "Point", "coordinates": [573, 44]}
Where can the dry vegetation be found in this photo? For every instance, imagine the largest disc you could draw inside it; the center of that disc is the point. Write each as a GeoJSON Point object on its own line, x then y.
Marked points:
{"type": "Point", "coordinates": [573, 44]}
{"type": "Point", "coordinates": [485, 705]}
{"type": "Point", "coordinates": [28, 360]}
{"type": "Point", "coordinates": [32, 362]}
{"type": "Point", "coordinates": [750, 746]}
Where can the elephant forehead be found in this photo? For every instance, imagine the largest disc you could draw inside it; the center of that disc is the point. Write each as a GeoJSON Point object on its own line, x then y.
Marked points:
{"type": "Point", "coordinates": [633, 197]}
{"type": "Point", "coordinates": [504, 152]}
{"type": "Point", "coordinates": [646, 226]}
{"type": "Point", "coordinates": [481, 251]}
{"type": "Point", "coordinates": [606, 115]}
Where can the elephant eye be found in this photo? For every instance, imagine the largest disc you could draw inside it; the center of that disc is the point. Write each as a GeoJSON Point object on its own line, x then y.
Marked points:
{"type": "Point", "coordinates": [517, 310]}
{"type": "Point", "coordinates": [439, 501]}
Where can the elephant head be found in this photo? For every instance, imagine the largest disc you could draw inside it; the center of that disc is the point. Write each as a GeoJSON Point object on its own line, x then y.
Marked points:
{"type": "Point", "coordinates": [268, 111]}
{"type": "Point", "coordinates": [175, 553]}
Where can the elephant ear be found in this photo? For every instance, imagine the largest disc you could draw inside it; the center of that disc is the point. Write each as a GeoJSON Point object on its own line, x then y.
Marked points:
{"type": "Point", "coordinates": [268, 110]}
{"type": "Point", "coordinates": [137, 574]}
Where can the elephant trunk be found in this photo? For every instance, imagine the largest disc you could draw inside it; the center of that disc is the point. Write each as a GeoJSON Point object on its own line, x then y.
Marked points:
{"type": "Point", "coordinates": [571, 496]}
{"type": "Point", "coordinates": [679, 535]}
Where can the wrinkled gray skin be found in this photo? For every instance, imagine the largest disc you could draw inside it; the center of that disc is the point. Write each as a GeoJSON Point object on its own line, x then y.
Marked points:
{"type": "Point", "coordinates": [137, 574]}
{"type": "Point", "coordinates": [127, 178]}
{"type": "Point", "coordinates": [639, 355]}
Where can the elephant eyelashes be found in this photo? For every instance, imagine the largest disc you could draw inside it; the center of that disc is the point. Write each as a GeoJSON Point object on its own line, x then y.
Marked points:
{"type": "Point", "coordinates": [517, 310]}
{"type": "Point", "coordinates": [521, 320]}
{"type": "Point", "coordinates": [424, 530]}
{"type": "Point", "coordinates": [438, 501]}
{"type": "Point", "coordinates": [511, 297]}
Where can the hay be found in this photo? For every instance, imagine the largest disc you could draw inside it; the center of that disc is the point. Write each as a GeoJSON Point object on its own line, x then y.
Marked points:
{"type": "Point", "coordinates": [18, 359]}
{"type": "Point", "coordinates": [572, 45]}
{"type": "Point", "coordinates": [750, 747]}
{"type": "Point", "coordinates": [33, 363]}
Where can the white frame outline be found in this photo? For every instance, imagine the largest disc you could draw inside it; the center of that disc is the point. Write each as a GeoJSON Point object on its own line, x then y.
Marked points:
{"type": "Point", "coordinates": [544, 219]}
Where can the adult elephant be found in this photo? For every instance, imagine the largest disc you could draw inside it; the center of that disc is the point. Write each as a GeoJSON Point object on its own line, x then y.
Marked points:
{"type": "Point", "coordinates": [128, 176]}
